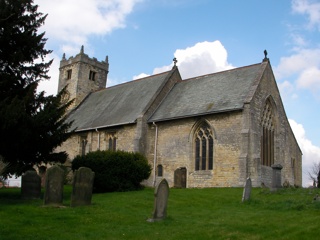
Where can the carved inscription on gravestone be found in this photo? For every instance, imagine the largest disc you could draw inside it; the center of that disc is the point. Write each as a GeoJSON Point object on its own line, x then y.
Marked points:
{"type": "Point", "coordinates": [161, 195]}
{"type": "Point", "coordinates": [54, 186]}
{"type": "Point", "coordinates": [30, 185]}
{"type": "Point", "coordinates": [82, 187]}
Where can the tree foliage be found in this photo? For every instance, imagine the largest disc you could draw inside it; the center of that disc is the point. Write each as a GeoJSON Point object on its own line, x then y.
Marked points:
{"type": "Point", "coordinates": [115, 170]}
{"type": "Point", "coordinates": [314, 174]}
{"type": "Point", "coordinates": [32, 125]}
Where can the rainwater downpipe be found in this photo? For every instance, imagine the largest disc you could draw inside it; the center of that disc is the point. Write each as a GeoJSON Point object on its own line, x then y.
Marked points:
{"type": "Point", "coordinates": [98, 138]}
{"type": "Point", "coordinates": [155, 154]}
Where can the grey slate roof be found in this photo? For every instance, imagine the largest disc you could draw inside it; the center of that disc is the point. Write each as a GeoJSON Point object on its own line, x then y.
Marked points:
{"type": "Point", "coordinates": [117, 105]}
{"type": "Point", "coordinates": [218, 92]}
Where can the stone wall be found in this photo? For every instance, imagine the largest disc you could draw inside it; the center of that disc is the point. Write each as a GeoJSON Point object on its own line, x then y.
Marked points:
{"type": "Point", "coordinates": [286, 149]}
{"type": "Point", "coordinates": [175, 149]}
{"type": "Point", "coordinates": [237, 137]}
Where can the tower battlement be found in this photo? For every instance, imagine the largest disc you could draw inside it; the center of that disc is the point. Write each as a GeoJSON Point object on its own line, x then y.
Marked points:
{"type": "Point", "coordinates": [82, 75]}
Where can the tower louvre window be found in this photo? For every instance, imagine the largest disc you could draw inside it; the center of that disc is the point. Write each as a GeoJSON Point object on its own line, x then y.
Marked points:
{"type": "Point", "coordinates": [92, 75]}
{"type": "Point", "coordinates": [69, 74]}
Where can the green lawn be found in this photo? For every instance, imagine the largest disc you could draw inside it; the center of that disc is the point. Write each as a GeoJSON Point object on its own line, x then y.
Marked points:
{"type": "Point", "coordinates": [214, 213]}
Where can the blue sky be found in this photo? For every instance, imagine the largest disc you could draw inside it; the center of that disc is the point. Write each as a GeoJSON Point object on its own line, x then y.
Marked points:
{"type": "Point", "coordinates": [141, 37]}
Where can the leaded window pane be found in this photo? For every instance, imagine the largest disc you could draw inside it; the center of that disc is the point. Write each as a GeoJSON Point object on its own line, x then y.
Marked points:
{"type": "Point", "coordinates": [197, 152]}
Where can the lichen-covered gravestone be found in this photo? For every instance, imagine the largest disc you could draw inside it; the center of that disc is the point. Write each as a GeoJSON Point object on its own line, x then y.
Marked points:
{"type": "Point", "coordinates": [161, 195]}
{"type": "Point", "coordinates": [53, 194]}
{"type": "Point", "coordinates": [82, 187]}
{"type": "Point", "coordinates": [30, 185]}
{"type": "Point", "coordinates": [247, 190]}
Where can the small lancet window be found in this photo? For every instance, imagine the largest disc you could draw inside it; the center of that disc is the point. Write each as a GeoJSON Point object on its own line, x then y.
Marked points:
{"type": "Point", "coordinates": [83, 145]}
{"type": "Point", "coordinates": [112, 143]}
{"type": "Point", "coordinates": [159, 171]}
{"type": "Point", "coordinates": [203, 148]}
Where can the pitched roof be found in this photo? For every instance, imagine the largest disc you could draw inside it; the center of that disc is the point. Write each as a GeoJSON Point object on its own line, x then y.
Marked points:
{"type": "Point", "coordinates": [117, 105]}
{"type": "Point", "coordinates": [218, 92]}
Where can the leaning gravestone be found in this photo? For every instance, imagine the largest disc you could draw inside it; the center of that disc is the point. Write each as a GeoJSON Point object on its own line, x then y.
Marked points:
{"type": "Point", "coordinates": [53, 194]}
{"type": "Point", "coordinates": [247, 190]}
{"type": "Point", "coordinates": [161, 195]}
{"type": "Point", "coordinates": [30, 185]}
{"type": "Point", "coordinates": [82, 187]}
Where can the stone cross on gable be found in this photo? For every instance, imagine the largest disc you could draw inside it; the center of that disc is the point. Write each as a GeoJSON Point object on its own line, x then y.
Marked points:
{"type": "Point", "coordinates": [175, 61]}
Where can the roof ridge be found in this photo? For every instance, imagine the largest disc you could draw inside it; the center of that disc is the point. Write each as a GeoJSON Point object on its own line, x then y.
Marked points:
{"type": "Point", "coordinates": [220, 72]}
{"type": "Point", "coordinates": [137, 80]}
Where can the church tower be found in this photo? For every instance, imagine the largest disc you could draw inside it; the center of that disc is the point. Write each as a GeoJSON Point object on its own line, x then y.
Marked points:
{"type": "Point", "coordinates": [82, 75]}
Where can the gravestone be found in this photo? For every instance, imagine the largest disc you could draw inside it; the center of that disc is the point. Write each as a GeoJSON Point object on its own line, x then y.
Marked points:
{"type": "Point", "coordinates": [161, 194]}
{"type": "Point", "coordinates": [276, 176]}
{"type": "Point", "coordinates": [53, 194]}
{"type": "Point", "coordinates": [247, 190]}
{"type": "Point", "coordinates": [82, 187]}
{"type": "Point", "coordinates": [180, 178]}
{"type": "Point", "coordinates": [30, 185]}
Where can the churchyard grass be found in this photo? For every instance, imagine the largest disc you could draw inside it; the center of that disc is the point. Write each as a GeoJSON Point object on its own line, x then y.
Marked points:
{"type": "Point", "coordinates": [215, 213]}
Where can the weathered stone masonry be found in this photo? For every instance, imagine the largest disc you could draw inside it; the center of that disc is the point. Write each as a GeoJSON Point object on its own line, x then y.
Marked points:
{"type": "Point", "coordinates": [162, 116]}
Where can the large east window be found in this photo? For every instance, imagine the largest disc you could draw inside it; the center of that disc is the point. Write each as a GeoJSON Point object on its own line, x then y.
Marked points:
{"type": "Point", "coordinates": [203, 148]}
{"type": "Point", "coordinates": [267, 136]}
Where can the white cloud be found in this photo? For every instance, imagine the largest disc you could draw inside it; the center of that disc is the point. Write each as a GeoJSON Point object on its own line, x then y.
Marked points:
{"type": "Point", "coordinates": [297, 62]}
{"type": "Point", "coordinates": [51, 86]}
{"type": "Point", "coordinates": [304, 66]}
{"type": "Point", "coordinates": [141, 75]}
{"type": "Point", "coordinates": [202, 58]}
{"type": "Point", "coordinates": [311, 153]}
{"type": "Point", "coordinates": [73, 21]}
{"type": "Point", "coordinates": [287, 90]}
{"type": "Point", "coordinates": [312, 9]}
{"type": "Point", "coordinates": [310, 79]}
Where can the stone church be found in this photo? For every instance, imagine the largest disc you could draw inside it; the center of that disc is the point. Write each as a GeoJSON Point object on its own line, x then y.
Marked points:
{"type": "Point", "coordinates": [214, 130]}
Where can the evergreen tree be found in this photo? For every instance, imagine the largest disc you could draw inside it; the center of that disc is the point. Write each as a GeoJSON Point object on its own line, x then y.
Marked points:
{"type": "Point", "coordinates": [32, 125]}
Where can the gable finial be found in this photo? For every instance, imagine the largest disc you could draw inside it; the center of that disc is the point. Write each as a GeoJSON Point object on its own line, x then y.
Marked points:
{"type": "Point", "coordinates": [175, 62]}
{"type": "Point", "coordinates": [82, 49]}
{"type": "Point", "coordinates": [64, 56]}
{"type": "Point", "coordinates": [265, 56]}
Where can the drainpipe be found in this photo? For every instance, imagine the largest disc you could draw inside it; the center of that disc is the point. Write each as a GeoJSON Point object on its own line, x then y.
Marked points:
{"type": "Point", "coordinates": [155, 155]}
{"type": "Point", "coordinates": [98, 138]}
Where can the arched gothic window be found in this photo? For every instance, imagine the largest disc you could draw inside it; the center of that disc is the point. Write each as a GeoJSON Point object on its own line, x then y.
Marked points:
{"type": "Point", "coordinates": [111, 141]}
{"type": "Point", "coordinates": [83, 145]}
{"type": "Point", "coordinates": [267, 136]}
{"type": "Point", "coordinates": [203, 148]}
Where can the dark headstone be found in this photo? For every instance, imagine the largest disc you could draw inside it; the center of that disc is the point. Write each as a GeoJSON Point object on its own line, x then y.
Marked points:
{"type": "Point", "coordinates": [161, 195]}
{"type": "Point", "coordinates": [276, 176]}
{"type": "Point", "coordinates": [180, 178]}
{"type": "Point", "coordinates": [53, 194]}
{"type": "Point", "coordinates": [30, 185]}
{"type": "Point", "coordinates": [82, 187]}
{"type": "Point", "coordinates": [247, 190]}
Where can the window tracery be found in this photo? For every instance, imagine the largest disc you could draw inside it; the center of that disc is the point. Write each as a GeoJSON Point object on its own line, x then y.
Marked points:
{"type": "Point", "coordinates": [267, 136]}
{"type": "Point", "coordinates": [203, 148]}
